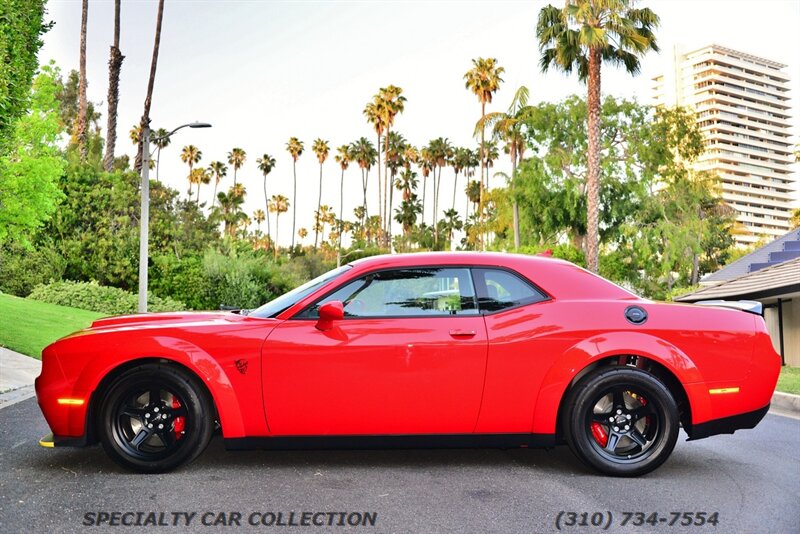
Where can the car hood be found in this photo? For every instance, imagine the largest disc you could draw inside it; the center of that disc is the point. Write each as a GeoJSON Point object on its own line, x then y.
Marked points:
{"type": "Point", "coordinates": [162, 319]}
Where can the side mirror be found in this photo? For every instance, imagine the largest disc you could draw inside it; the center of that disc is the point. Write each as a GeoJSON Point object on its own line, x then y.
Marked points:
{"type": "Point", "coordinates": [328, 313]}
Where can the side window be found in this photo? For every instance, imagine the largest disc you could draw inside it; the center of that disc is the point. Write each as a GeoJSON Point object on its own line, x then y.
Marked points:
{"type": "Point", "coordinates": [498, 290]}
{"type": "Point", "coordinates": [433, 291]}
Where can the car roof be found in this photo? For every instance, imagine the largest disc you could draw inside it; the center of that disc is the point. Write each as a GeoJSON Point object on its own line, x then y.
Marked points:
{"type": "Point", "coordinates": [452, 258]}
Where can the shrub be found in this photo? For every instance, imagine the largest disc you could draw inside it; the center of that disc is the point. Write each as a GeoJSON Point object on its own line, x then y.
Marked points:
{"type": "Point", "coordinates": [182, 279]}
{"type": "Point", "coordinates": [243, 280]}
{"type": "Point", "coordinates": [101, 299]}
{"type": "Point", "coordinates": [23, 268]}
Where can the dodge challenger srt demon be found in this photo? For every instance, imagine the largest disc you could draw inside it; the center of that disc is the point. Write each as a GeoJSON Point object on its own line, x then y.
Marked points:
{"type": "Point", "coordinates": [417, 350]}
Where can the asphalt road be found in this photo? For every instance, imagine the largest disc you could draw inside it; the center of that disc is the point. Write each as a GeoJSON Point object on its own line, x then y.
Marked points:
{"type": "Point", "coordinates": [752, 479]}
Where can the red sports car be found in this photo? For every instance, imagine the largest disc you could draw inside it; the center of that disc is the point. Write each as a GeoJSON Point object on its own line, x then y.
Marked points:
{"type": "Point", "coordinates": [418, 350]}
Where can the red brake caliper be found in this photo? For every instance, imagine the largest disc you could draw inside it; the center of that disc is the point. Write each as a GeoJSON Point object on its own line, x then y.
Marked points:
{"type": "Point", "coordinates": [179, 422]}
{"type": "Point", "coordinates": [643, 401]}
{"type": "Point", "coordinates": [599, 434]}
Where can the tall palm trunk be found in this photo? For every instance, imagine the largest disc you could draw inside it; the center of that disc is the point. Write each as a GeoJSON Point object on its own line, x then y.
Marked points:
{"type": "Point", "coordinates": [158, 163]}
{"type": "Point", "coordinates": [515, 205]}
{"type": "Point", "coordinates": [436, 183]}
{"type": "Point", "coordinates": [483, 166]}
{"type": "Point", "coordinates": [341, 212]}
{"type": "Point", "coordinates": [364, 184]}
{"type": "Point", "coordinates": [424, 188]}
{"type": "Point", "coordinates": [197, 199]}
{"type": "Point", "coordinates": [380, 197]}
{"type": "Point", "coordinates": [319, 206]}
{"type": "Point", "coordinates": [277, 227]}
{"type": "Point", "coordinates": [386, 185]}
{"type": "Point", "coordinates": [114, 68]}
{"type": "Point", "coordinates": [214, 196]}
{"type": "Point", "coordinates": [294, 205]}
{"type": "Point", "coordinates": [266, 203]}
{"type": "Point", "coordinates": [81, 127]}
{"type": "Point", "coordinates": [455, 187]}
{"type": "Point", "coordinates": [388, 211]}
{"type": "Point", "coordinates": [190, 181]}
{"type": "Point", "coordinates": [151, 81]}
{"type": "Point", "coordinates": [593, 180]}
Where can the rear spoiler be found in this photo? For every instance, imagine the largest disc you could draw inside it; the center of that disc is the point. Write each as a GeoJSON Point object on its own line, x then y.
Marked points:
{"type": "Point", "coordinates": [749, 306]}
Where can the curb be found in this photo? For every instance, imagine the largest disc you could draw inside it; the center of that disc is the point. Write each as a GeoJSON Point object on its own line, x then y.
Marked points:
{"type": "Point", "coordinates": [786, 404]}
{"type": "Point", "coordinates": [12, 397]}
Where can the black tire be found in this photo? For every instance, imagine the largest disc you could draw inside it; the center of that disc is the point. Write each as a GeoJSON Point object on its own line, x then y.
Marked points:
{"type": "Point", "coordinates": [632, 409]}
{"type": "Point", "coordinates": [154, 418]}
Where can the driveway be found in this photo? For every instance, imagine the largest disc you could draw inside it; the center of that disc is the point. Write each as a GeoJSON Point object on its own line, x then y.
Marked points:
{"type": "Point", "coordinates": [752, 479]}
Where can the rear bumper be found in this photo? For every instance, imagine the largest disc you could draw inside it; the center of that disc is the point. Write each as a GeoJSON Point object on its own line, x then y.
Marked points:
{"type": "Point", "coordinates": [727, 425]}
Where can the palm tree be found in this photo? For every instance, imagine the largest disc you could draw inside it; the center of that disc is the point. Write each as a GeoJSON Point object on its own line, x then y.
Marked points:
{"type": "Point", "coordinates": [83, 105]}
{"type": "Point", "coordinates": [364, 153]}
{"type": "Point", "coordinates": [161, 140]}
{"type": "Point", "coordinates": [473, 191]}
{"type": "Point", "coordinates": [114, 68]}
{"type": "Point", "coordinates": [441, 151]}
{"type": "Point", "coordinates": [582, 35]}
{"type": "Point", "coordinates": [236, 158]}
{"type": "Point", "coordinates": [484, 80]}
{"type": "Point", "coordinates": [220, 170]}
{"type": "Point", "coordinates": [509, 127]}
{"type": "Point", "coordinates": [461, 157]}
{"type": "Point", "coordinates": [343, 158]}
{"type": "Point", "coordinates": [393, 103]}
{"type": "Point", "coordinates": [323, 216]}
{"type": "Point", "coordinates": [279, 204]}
{"type": "Point", "coordinates": [199, 176]}
{"type": "Point", "coordinates": [135, 134]}
{"type": "Point", "coordinates": [295, 148]}
{"type": "Point", "coordinates": [150, 82]}
{"type": "Point", "coordinates": [375, 116]}
{"type": "Point", "coordinates": [320, 148]}
{"type": "Point", "coordinates": [452, 221]}
{"type": "Point", "coordinates": [426, 166]}
{"type": "Point", "coordinates": [259, 217]}
{"type": "Point", "coordinates": [394, 151]}
{"type": "Point", "coordinates": [265, 164]}
{"type": "Point", "coordinates": [190, 155]}
{"type": "Point", "coordinates": [230, 204]}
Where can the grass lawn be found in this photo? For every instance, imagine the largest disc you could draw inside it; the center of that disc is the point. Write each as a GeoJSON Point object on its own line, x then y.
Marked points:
{"type": "Point", "coordinates": [28, 326]}
{"type": "Point", "coordinates": [789, 381]}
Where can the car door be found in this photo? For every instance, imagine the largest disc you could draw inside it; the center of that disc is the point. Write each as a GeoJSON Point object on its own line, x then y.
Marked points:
{"type": "Point", "coordinates": [409, 357]}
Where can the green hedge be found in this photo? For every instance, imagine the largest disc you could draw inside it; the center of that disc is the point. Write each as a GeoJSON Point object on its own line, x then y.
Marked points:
{"type": "Point", "coordinates": [101, 299]}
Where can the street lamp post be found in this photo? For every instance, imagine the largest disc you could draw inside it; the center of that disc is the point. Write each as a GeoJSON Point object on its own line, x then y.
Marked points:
{"type": "Point", "coordinates": [144, 222]}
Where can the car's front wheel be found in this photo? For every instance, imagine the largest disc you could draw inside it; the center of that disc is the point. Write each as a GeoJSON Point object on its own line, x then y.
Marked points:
{"type": "Point", "coordinates": [621, 421]}
{"type": "Point", "coordinates": [154, 418]}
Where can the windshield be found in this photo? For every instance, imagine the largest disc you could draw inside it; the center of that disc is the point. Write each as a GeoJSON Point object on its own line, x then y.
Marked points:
{"type": "Point", "coordinates": [277, 305]}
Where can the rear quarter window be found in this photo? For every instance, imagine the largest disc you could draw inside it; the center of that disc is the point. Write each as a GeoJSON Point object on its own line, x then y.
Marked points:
{"type": "Point", "coordinates": [500, 290]}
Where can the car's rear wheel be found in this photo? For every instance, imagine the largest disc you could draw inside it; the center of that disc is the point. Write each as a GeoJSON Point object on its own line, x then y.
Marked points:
{"type": "Point", "coordinates": [621, 421]}
{"type": "Point", "coordinates": [154, 418]}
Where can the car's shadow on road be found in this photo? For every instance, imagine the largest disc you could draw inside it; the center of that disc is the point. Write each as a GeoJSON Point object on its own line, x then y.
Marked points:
{"type": "Point", "coordinates": [553, 461]}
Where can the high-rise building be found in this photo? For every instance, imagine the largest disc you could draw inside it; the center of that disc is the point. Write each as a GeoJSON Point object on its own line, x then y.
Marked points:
{"type": "Point", "coordinates": [742, 108]}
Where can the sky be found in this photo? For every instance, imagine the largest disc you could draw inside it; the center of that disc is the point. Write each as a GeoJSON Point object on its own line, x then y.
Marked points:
{"type": "Point", "coordinates": [263, 71]}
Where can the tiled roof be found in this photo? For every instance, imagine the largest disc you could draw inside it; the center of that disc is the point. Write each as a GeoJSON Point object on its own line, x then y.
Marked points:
{"type": "Point", "coordinates": [769, 281]}
{"type": "Point", "coordinates": [782, 249]}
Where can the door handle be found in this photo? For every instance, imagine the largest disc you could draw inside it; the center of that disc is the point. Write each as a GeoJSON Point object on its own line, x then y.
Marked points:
{"type": "Point", "coordinates": [462, 333]}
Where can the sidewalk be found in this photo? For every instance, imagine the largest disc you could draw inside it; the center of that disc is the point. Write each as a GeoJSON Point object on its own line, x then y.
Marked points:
{"type": "Point", "coordinates": [17, 373]}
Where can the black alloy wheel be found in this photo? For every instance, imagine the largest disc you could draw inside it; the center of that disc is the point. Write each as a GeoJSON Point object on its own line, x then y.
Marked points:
{"type": "Point", "coordinates": [622, 421]}
{"type": "Point", "coordinates": [155, 418]}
